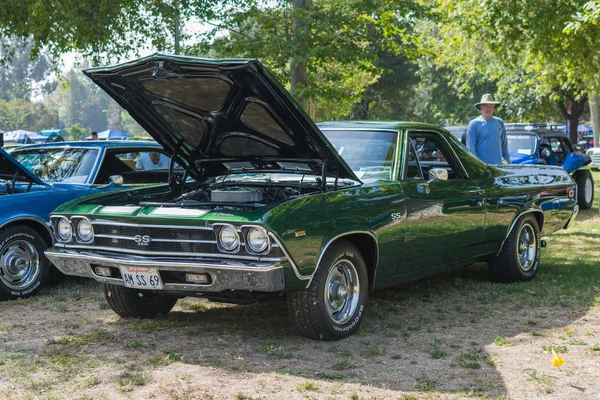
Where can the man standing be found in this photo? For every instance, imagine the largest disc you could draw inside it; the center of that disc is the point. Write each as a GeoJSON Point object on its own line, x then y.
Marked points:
{"type": "Point", "coordinates": [94, 136]}
{"type": "Point", "coordinates": [486, 135]}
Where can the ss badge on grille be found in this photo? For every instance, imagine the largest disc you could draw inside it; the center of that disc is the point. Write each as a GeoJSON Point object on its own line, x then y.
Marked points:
{"type": "Point", "coordinates": [142, 240]}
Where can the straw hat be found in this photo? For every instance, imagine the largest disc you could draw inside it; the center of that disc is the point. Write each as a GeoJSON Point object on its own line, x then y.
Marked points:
{"type": "Point", "coordinates": [487, 99]}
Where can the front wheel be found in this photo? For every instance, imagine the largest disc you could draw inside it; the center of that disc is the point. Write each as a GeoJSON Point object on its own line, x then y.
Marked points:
{"type": "Point", "coordinates": [520, 256]}
{"type": "Point", "coordinates": [585, 189]}
{"type": "Point", "coordinates": [137, 303]}
{"type": "Point", "coordinates": [23, 266]}
{"type": "Point", "coordinates": [333, 306]}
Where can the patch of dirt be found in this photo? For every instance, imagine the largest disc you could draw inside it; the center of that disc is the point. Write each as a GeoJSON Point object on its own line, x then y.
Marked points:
{"type": "Point", "coordinates": [429, 339]}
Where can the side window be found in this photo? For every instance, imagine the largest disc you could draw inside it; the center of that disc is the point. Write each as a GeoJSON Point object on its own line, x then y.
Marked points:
{"type": "Point", "coordinates": [413, 170]}
{"type": "Point", "coordinates": [555, 146]}
{"type": "Point", "coordinates": [129, 158]}
{"type": "Point", "coordinates": [566, 145]}
{"type": "Point", "coordinates": [431, 151]}
{"type": "Point", "coordinates": [557, 149]}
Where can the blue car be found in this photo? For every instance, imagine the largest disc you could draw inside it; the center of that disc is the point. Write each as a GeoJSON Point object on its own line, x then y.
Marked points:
{"type": "Point", "coordinates": [541, 144]}
{"type": "Point", "coordinates": [34, 180]}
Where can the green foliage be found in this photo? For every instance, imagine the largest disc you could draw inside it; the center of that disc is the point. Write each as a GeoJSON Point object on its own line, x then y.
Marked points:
{"type": "Point", "coordinates": [377, 59]}
{"type": "Point", "coordinates": [13, 114]}
{"type": "Point", "coordinates": [102, 29]}
{"type": "Point", "coordinates": [77, 132]}
{"type": "Point", "coordinates": [22, 77]}
{"type": "Point", "coordinates": [338, 41]}
{"type": "Point", "coordinates": [522, 46]}
{"type": "Point", "coordinates": [22, 114]}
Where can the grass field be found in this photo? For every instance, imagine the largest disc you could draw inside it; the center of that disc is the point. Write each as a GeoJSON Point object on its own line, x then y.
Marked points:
{"type": "Point", "coordinates": [455, 335]}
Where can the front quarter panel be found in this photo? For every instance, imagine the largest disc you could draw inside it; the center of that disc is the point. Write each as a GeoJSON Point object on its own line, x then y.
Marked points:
{"type": "Point", "coordinates": [305, 226]}
{"type": "Point", "coordinates": [36, 204]}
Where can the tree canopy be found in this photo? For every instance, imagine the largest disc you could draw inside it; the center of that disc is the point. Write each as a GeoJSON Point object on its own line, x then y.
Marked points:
{"type": "Point", "coordinates": [360, 59]}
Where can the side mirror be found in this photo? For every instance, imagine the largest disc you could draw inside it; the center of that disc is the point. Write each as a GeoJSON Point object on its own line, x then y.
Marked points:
{"type": "Point", "coordinates": [116, 180]}
{"type": "Point", "coordinates": [545, 153]}
{"type": "Point", "coordinates": [438, 174]}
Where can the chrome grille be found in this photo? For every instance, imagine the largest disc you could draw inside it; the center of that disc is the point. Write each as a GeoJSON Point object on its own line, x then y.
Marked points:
{"type": "Point", "coordinates": [170, 247]}
{"type": "Point", "coordinates": [170, 240]}
{"type": "Point", "coordinates": [596, 158]}
{"type": "Point", "coordinates": [155, 232]}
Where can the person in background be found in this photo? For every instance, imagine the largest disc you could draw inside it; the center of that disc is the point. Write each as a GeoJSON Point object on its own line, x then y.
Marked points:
{"type": "Point", "coordinates": [1, 138]}
{"type": "Point", "coordinates": [486, 135]}
{"type": "Point", "coordinates": [94, 136]}
{"type": "Point", "coordinates": [152, 160]}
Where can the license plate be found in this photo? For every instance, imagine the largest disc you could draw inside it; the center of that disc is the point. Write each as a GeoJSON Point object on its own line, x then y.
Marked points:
{"type": "Point", "coordinates": [141, 278]}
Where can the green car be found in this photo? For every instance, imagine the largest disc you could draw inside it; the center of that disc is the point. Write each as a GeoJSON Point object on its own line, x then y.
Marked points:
{"type": "Point", "coordinates": [273, 204]}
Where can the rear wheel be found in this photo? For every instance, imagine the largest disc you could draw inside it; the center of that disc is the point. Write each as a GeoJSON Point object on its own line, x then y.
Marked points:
{"type": "Point", "coordinates": [333, 306]}
{"type": "Point", "coordinates": [23, 266]}
{"type": "Point", "coordinates": [519, 258]}
{"type": "Point", "coordinates": [585, 188]}
{"type": "Point", "coordinates": [137, 303]}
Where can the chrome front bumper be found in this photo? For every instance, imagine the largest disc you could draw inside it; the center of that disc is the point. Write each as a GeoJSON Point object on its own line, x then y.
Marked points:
{"type": "Point", "coordinates": [225, 275]}
{"type": "Point", "coordinates": [573, 217]}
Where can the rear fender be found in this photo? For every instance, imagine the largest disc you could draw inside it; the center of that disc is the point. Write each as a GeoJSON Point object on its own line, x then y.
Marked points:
{"type": "Point", "coordinates": [537, 213]}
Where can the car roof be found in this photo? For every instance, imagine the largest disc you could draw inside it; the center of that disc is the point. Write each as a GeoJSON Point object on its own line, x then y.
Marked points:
{"type": "Point", "coordinates": [96, 144]}
{"type": "Point", "coordinates": [387, 125]}
{"type": "Point", "coordinates": [541, 130]}
{"type": "Point", "coordinates": [538, 133]}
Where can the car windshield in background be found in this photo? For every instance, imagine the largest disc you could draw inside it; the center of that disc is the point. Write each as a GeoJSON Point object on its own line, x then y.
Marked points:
{"type": "Point", "coordinates": [522, 144]}
{"type": "Point", "coordinates": [58, 165]}
{"type": "Point", "coordinates": [370, 154]}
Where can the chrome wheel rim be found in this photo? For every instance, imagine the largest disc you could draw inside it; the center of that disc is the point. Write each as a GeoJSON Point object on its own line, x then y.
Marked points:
{"type": "Point", "coordinates": [342, 291]}
{"type": "Point", "coordinates": [19, 264]}
{"type": "Point", "coordinates": [527, 247]}
{"type": "Point", "coordinates": [589, 190]}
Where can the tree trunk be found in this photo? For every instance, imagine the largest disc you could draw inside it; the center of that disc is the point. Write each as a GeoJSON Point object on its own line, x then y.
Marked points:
{"type": "Point", "coordinates": [572, 118]}
{"type": "Point", "coordinates": [595, 111]}
{"type": "Point", "coordinates": [298, 73]}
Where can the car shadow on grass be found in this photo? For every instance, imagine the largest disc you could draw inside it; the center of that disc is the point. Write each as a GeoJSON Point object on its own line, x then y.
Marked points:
{"type": "Point", "coordinates": [454, 334]}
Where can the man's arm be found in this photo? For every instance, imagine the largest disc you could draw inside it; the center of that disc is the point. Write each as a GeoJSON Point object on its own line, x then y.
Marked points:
{"type": "Point", "coordinates": [472, 137]}
{"type": "Point", "coordinates": [505, 153]}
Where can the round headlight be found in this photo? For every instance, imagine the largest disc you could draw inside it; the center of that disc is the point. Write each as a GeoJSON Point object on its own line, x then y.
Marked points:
{"type": "Point", "coordinates": [229, 238]}
{"type": "Point", "coordinates": [64, 230]}
{"type": "Point", "coordinates": [85, 230]}
{"type": "Point", "coordinates": [257, 240]}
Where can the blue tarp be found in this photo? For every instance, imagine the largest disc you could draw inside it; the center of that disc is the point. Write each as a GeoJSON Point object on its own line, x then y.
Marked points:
{"type": "Point", "coordinates": [22, 136]}
{"type": "Point", "coordinates": [49, 132]}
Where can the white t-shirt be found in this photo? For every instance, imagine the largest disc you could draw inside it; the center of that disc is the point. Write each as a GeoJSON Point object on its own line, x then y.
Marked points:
{"type": "Point", "coordinates": [145, 163]}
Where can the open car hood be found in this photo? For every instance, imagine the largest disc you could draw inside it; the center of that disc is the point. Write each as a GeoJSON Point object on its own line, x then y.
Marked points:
{"type": "Point", "coordinates": [219, 116]}
{"type": "Point", "coordinates": [11, 169]}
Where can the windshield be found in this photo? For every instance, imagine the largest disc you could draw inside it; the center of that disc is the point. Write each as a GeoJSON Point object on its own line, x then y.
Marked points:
{"type": "Point", "coordinates": [58, 165]}
{"type": "Point", "coordinates": [370, 154]}
{"type": "Point", "coordinates": [522, 144]}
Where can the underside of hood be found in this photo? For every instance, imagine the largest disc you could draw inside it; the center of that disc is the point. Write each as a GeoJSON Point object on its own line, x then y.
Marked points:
{"type": "Point", "coordinates": [214, 113]}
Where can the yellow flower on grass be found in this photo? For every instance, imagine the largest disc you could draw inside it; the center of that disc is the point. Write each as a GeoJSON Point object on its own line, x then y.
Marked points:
{"type": "Point", "coordinates": [557, 360]}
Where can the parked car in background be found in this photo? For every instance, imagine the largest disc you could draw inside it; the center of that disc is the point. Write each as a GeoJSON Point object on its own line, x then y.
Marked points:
{"type": "Point", "coordinates": [542, 144]}
{"type": "Point", "coordinates": [35, 179]}
{"type": "Point", "coordinates": [586, 143]}
{"type": "Point", "coordinates": [280, 206]}
{"type": "Point", "coordinates": [459, 132]}
{"type": "Point", "coordinates": [594, 154]}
